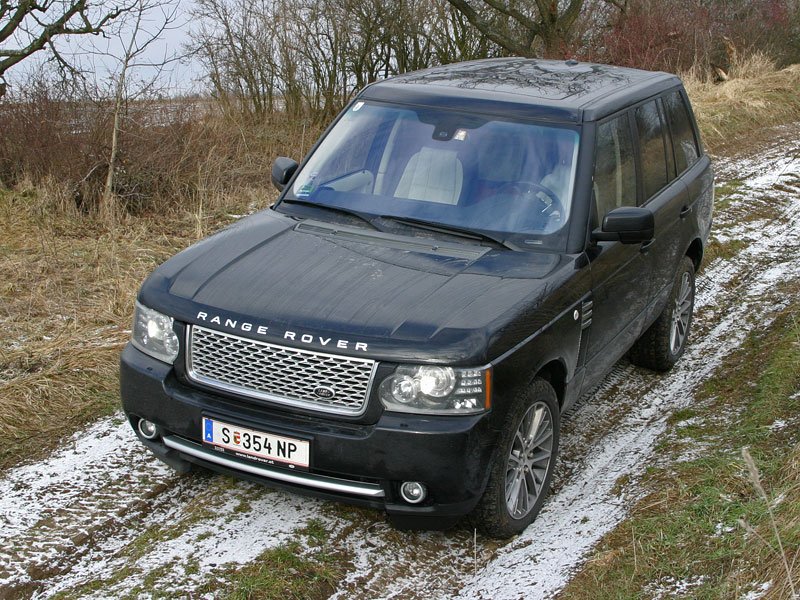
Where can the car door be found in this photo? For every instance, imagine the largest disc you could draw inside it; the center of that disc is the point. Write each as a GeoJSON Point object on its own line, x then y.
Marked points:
{"type": "Point", "coordinates": [665, 195]}
{"type": "Point", "coordinates": [679, 218]}
{"type": "Point", "coordinates": [620, 272]}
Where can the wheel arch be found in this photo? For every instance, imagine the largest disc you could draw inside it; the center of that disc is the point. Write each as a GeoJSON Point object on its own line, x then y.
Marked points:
{"type": "Point", "coordinates": [554, 373]}
{"type": "Point", "coordinates": [695, 252]}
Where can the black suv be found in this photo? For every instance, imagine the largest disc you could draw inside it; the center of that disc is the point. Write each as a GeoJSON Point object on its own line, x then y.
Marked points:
{"type": "Point", "coordinates": [465, 251]}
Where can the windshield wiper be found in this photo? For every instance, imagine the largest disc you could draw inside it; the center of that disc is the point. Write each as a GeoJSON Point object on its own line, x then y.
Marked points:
{"type": "Point", "coordinates": [461, 232]}
{"type": "Point", "coordinates": [336, 209]}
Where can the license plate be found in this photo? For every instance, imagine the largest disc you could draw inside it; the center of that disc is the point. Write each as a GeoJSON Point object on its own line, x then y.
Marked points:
{"type": "Point", "coordinates": [256, 445]}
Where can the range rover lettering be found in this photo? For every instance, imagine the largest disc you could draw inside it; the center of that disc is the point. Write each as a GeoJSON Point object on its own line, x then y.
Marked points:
{"type": "Point", "coordinates": [465, 252]}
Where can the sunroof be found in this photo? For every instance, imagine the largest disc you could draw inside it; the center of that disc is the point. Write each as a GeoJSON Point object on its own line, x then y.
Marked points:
{"type": "Point", "coordinates": [548, 80]}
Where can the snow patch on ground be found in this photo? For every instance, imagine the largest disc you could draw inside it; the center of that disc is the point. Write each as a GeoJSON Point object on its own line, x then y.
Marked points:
{"type": "Point", "coordinates": [102, 507]}
{"type": "Point", "coordinates": [671, 587]}
{"type": "Point", "coordinates": [28, 492]}
{"type": "Point", "coordinates": [758, 593]}
{"type": "Point", "coordinates": [397, 565]}
{"type": "Point", "coordinates": [720, 529]}
{"type": "Point", "coordinates": [247, 520]}
{"type": "Point", "coordinates": [778, 425]}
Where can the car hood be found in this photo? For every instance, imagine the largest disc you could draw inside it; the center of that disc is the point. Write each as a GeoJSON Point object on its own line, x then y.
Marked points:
{"type": "Point", "coordinates": [354, 291]}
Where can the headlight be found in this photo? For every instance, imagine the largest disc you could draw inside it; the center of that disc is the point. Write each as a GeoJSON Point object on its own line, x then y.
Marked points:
{"type": "Point", "coordinates": [437, 390]}
{"type": "Point", "coordinates": [153, 334]}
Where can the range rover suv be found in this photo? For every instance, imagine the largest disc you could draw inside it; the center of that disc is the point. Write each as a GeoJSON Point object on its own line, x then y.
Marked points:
{"type": "Point", "coordinates": [465, 251]}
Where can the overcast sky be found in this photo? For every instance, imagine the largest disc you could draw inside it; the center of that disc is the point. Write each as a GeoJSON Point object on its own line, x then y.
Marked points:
{"type": "Point", "coordinates": [98, 55]}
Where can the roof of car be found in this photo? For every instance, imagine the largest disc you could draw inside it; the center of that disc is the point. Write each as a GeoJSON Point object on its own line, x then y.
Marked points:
{"type": "Point", "coordinates": [568, 91]}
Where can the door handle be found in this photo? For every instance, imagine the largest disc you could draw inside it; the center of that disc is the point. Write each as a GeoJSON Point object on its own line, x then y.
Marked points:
{"type": "Point", "coordinates": [685, 211]}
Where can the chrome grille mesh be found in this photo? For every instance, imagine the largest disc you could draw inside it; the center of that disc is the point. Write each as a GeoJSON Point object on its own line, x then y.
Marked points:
{"type": "Point", "coordinates": [277, 373]}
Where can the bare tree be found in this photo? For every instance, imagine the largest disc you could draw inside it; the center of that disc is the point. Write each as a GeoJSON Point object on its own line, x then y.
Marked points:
{"type": "Point", "coordinates": [455, 39]}
{"type": "Point", "coordinates": [238, 46]}
{"type": "Point", "coordinates": [523, 27]}
{"type": "Point", "coordinates": [307, 57]}
{"type": "Point", "coordinates": [144, 24]}
{"type": "Point", "coordinates": [28, 26]}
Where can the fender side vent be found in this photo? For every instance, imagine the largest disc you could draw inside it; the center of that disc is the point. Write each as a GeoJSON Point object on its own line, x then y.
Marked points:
{"type": "Point", "coordinates": [586, 313]}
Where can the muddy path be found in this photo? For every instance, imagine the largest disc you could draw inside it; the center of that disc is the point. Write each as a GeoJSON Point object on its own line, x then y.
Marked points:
{"type": "Point", "coordinates": [101, 518]}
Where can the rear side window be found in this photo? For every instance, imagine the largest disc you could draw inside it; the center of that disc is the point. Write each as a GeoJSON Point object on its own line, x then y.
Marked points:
{"type": "Point", "coordinates": [614, 167]}
{"type": "Point", "coordinates": [651, 144]}
{"type": "Point", "coordinates": [683, 139]}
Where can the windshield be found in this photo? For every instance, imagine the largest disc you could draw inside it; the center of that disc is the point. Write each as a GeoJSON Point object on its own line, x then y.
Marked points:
{"type": "Point", "coordinates": [479, 173]}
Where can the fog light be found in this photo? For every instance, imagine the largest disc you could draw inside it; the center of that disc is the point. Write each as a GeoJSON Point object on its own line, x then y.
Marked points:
{"type": "Point", "coordinates": [148, 429]}
{"type": "Point", "coordinates": [413, 492]}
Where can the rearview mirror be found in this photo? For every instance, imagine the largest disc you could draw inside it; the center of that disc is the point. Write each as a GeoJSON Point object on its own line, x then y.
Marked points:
{"type": "Point", "coordinates": [282, 170]}
{"type": "Point", "coordinates": [627, 224]}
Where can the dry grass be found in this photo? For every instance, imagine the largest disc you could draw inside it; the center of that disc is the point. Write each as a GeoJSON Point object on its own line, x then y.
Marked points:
{"type": "Point", "coordinates": [756, 96]}
{"type": "Point", "coordinates": [775, 542]}
{"type": "Point", "coordinates": [197, 155]}
{"type": "Point", "coordinates": [67, 287]}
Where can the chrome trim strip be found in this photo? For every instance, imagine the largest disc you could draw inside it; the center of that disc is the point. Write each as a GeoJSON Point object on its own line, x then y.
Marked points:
{"type": "Point", "coordinates": [250, 393]}
{"type": "Point", "coordinates": [320, 482]}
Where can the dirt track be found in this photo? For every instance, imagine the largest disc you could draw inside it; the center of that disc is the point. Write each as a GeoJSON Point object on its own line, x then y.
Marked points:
{"type": "Point", "coordinates": [101, 517]}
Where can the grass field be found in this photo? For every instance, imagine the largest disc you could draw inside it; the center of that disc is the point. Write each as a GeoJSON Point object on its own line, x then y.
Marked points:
{"type": "Point", "coordinates": [67, 287]}
{"type": "Point", "coordinates": [738, 112]}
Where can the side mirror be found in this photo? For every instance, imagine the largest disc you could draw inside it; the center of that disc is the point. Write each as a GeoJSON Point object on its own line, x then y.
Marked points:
{"type": "Point", "coordinates": [282, 170]}
{"type": "Point", "coordinates": [626, 224]}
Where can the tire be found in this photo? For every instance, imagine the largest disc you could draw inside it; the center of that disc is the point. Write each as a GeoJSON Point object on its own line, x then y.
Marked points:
{"type": "Point", "coordinates": [533, 421]}
{"type": "Point", "coordinates": [664, 342]}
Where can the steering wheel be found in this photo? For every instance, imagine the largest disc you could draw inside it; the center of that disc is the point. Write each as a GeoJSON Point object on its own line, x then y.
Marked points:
{"type": "Point", "coordinates": [528, 190]}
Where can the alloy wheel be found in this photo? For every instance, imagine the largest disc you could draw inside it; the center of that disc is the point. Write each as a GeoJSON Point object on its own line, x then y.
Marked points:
{"type": "Point", "coordinates": [529, 460]}
{"type": "Point", "coordinates": [681, 314]}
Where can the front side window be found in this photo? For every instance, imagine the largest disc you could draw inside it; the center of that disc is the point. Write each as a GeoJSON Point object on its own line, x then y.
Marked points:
{"type": "Point", "coordinates": [651, 145]}
{"type": "Point", "coordinates": [475, 172]}
{"type": "Point", "coordinates": [614, 182]}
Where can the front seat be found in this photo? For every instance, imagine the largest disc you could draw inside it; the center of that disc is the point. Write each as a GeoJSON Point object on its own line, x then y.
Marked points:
{"type": "Point", "coordinates": [432, 174]}
{"type": "Point", "coordinates": [501, 159]}
{"type": "Point", "coordinates": [558, 179]}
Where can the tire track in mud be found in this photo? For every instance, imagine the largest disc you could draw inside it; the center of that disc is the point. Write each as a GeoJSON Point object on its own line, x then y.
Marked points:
{"type": "Point", "coordinates": [103, 513]}
{"type": "Point", "coordinates": [53, 510]}
{"type": "Point", "coordinates": [101, 517]}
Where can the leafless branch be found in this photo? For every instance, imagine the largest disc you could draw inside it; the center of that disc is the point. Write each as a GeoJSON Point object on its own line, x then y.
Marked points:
{"type": "Point", "coordinates": [38, 23]}
{"type": "Point", "coordinates": [545, 20]}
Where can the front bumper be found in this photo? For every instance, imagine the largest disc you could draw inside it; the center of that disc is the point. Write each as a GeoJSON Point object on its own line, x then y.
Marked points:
{"type": "Point", "coordinates": [358, 462]}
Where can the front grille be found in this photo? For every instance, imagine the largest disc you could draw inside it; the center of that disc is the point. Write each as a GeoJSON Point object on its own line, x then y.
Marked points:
{"type": "Point", "coordinates": [277, 373]}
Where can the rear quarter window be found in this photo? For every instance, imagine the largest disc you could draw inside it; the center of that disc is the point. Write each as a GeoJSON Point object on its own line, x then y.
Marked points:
{"type": "Point", "coordinates": [684, 140]}
{"type": "Point", "coordinates": [651, 146]}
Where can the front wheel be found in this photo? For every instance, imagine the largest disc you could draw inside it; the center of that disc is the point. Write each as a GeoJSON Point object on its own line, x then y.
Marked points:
{"type": "Point", "coordinates": [663, 344]}
{"type": "Point", "coordinates": [523, 465]}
